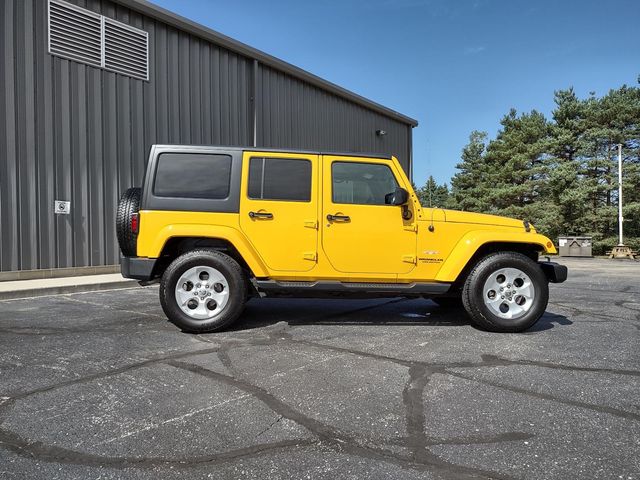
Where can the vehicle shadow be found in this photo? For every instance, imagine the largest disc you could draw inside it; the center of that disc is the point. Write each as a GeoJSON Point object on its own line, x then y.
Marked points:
{"type": "Point", "coordinates": [389, 311]}
{"type": "Point", "coordinates": [261, 313]}
{"type": "Point", "coordinates": [548, 321]}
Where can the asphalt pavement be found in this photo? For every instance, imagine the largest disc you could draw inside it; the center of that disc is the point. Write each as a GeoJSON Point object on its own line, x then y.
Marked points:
{"type": "Point", "coordinates": [99, 385]}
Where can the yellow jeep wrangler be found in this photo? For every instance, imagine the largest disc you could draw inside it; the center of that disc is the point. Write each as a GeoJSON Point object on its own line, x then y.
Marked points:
{"type": "Point", "coordinates": [218, 225]}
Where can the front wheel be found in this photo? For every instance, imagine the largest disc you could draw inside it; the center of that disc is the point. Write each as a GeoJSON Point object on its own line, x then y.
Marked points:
{"type": "Point", "coordinates": [506, 292]}
{"type": "Point", "coordinates": [203, 291]}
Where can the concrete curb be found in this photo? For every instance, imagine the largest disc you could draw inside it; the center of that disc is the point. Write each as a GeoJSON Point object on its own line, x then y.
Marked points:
{"type": "Point", "coordinates": [50, 273]}
{"type": "Point", "coordinates": [17, 290]}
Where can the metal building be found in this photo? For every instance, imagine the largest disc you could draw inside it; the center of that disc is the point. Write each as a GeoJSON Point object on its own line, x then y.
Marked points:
{"type": "Point", "coordinates": [86, 86]}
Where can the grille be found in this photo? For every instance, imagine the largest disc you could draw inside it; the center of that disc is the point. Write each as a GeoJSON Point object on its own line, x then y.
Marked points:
{"type": "Point", "coordinates": [75, 33]}
{"type": "Point", "coordinates": [125, 49]}
{"type": "Point", "coordinates": [85, 36]}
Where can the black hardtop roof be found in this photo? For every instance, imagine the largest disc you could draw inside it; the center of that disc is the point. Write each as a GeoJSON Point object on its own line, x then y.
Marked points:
{"type": "Point", "coordinates": [235, 148]}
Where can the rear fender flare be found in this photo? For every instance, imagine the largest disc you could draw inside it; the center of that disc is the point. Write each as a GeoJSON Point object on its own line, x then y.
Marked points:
{"type": "Point", "coordinates": [233, 236]}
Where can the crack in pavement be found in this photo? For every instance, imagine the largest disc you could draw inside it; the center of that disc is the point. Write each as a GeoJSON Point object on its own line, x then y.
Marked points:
{"type": "Point", "coordinates": [417, 441]}
{"type": "Point", "coordinates": [327, 435]}
{"type": "Point", "coordinates": [412, 396]}
{"type": "Point", "coordinates": [545, 396]}
{"type": "Point", "coordinates": [339, 440]}
{"type": "Point", "coordinates": [494, 361]}
{"type": "Point", "coordinates": [277, 420]}
{"type": "Point", "coordinates": [50, 453]}
{"type": "Point", "coordinates": [487, 360]}
{"type": "Point", "coordinates": [108, 373]}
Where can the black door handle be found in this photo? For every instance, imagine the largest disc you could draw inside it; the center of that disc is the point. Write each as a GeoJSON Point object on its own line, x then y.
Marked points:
{"type": "Point", "coordinates": [265, 215]}
{"type": "Point", "coordinates": [338, 218]}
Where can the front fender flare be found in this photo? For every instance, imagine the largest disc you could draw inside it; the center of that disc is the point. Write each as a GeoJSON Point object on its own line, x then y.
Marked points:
{"type": "Point", "coordinates": [470, 243]}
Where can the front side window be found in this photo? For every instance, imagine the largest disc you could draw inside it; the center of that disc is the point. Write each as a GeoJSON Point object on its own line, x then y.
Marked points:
{"type": "Point", "coordinates": [193, 175]}
{"type": "Point", "coordinates": [279, 179]}
{"type": "Point", "coordinates": [361, 183]}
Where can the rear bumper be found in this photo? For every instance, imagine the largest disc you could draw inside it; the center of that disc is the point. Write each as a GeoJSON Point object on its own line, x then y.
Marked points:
{"type": "Point", "coordinates": [555, 272]}
{"type": "Point", "coordinates": [137, 268]}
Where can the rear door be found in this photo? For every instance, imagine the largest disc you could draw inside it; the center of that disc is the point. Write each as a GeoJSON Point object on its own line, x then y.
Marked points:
{"type": "Point", "coordinates": [279, 210]}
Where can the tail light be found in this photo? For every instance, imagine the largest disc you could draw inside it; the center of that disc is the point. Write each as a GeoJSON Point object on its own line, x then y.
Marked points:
{"type": "Point", "coordinates": [135, 223]}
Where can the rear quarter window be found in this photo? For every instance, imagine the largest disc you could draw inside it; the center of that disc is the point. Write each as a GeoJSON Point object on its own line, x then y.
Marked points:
{"type": "Point", "coordinates": [192, 175]}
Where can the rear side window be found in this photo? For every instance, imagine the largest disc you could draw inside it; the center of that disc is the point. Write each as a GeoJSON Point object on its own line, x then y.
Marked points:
{"type": "Point", "coordinates": [193, 175]}
{"type": "Point", "coordinates": [280, 179]}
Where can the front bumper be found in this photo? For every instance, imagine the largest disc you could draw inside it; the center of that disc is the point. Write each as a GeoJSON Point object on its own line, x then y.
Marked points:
{"type": "Point", "coordinates": [137, 268]}
{"type": "Point", "coordinates": [555, 272]}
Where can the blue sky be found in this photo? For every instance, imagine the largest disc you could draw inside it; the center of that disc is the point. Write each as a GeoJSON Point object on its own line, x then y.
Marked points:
{"type": "Point", "coordinates": [455, 65]}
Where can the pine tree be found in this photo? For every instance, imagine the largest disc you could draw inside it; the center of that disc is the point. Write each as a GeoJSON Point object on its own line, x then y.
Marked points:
{"type": "Point", "coordinates": [566, 189]}
{"type": "Point", "coordinates": [562, 174]}
{"type": "Point", "coordinates": [432, 194]}
{"type": "Point", "coordinates": [507, 176]}
{"type": "Point", "coordinates": [625, 103]}
{"type": "Point", "coordinates": [517, 155]}
{"type": "Point", "coordinates": [470, 186]}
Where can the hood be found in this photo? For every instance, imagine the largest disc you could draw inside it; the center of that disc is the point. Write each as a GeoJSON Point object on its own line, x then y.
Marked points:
{"type": "Point", "coordinates": [482, 219]}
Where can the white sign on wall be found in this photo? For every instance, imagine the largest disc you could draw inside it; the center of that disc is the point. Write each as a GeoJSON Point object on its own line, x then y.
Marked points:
{"type": "Point", "coordinates": [61, 207]}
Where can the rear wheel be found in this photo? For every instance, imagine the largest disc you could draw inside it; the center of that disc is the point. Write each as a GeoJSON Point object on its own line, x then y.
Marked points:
{"type": "Point", "coordinates": [506, 292]}
{"type": "Point", "coordinates": [203, 291]}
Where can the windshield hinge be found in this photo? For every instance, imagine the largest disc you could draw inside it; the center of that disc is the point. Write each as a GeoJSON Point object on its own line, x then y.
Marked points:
{"type": "Point", "coordinates": [409, 259]}
{"type": "Point", "coordinates": [311, 224]}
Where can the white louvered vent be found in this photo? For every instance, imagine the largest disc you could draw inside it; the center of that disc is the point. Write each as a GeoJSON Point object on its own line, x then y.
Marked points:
{"type": "Point", "coordinates": [85, 36]}
{"type": "Point", "coordinates": [75, 33]}
{"type": "Point", "coordinates": [125, 49]}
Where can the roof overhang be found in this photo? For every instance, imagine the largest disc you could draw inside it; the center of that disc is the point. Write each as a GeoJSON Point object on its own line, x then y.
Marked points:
{"type": "Point", "coordinates": [161, 14]}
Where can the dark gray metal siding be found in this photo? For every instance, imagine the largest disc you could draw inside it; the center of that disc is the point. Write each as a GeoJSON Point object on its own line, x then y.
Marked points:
{"type": "Point", "coordinates": [69, 131]}
{"type": "Point", "coordinates": [294, 114]}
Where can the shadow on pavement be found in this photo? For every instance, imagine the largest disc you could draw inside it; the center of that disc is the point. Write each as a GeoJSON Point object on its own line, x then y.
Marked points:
{"type": "Point", "coordinates": [400, 312]}
{"type": "Point", "coordinates": [548, 321]}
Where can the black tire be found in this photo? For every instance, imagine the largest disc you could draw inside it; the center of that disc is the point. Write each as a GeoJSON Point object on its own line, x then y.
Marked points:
{"type": "Point", "coordinates": [473, 294]}
{"type": "Point", "coordinates": [448, 302]}
{"type": "Point", "coordinates": [233, 275]}
{"type": "Point", "coordinates": [128, 205]}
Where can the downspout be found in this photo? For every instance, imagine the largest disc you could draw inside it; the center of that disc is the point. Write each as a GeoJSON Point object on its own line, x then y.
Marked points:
{"type": "Point", "coordinates": [255, 102]}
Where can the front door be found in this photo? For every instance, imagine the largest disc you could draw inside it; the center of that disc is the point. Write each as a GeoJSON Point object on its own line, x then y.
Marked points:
{"type": "Point", "coordinates": [361, 233]}
{"type": "Point", "coordinates": [278, 208]}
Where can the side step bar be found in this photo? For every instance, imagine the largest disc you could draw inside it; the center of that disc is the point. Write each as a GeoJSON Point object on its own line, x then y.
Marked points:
{"type": "Point", "coordinates": [329, 289]}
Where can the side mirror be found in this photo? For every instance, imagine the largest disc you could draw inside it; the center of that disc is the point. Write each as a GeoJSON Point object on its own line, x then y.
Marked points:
{"type": "Point", "coordinates": [399, 197]}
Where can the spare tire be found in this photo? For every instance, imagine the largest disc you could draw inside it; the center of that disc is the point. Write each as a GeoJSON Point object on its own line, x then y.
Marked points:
{"type": "Point", "coordinates": [128, 206]}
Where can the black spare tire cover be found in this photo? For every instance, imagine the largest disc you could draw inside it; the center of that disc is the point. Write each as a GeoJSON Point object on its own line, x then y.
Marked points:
{"type": "Point", "coordinates": [128, 205]}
